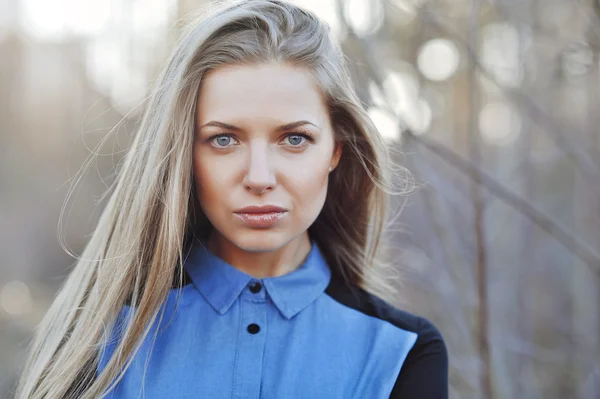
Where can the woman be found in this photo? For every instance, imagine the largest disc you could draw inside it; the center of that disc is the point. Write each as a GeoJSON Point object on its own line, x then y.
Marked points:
{"type": "Point", "coordinates": [234, 257]}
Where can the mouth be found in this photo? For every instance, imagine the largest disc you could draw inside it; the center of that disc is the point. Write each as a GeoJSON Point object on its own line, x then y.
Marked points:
{"type": "Point", "coordinates": [261, 217]}
{"type": "Point", "coordinates": [260, 209]}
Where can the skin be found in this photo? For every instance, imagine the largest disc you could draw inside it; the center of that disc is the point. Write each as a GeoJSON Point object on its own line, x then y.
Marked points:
{"type": "Point", "coordinates": [258, 163]}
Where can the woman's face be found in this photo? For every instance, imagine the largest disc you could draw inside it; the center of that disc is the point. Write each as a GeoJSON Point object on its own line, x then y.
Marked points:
{"type": "Point", "coordinates": [263, 138]}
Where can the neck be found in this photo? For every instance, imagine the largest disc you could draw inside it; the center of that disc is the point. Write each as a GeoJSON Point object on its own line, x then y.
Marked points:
{"type": "Point", "coordinates": [273, 263]}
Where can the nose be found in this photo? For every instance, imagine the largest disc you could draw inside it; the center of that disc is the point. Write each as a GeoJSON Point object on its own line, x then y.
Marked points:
{"type": "Point", "coordinates": [259, 177]}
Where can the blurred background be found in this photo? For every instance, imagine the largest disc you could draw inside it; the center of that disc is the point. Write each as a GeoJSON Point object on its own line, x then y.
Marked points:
{"type": "Point", "coordinates": [494, 105]}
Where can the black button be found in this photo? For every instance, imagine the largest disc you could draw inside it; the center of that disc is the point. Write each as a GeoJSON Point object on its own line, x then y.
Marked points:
{"type": "Point", "coordinates": [253, 328]}
{"type": "Point", "coordinates": [255, 287]}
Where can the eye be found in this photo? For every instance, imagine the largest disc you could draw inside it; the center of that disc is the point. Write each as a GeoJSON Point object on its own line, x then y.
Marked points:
{"type": "Point", "coordinates": [222, 140]}
{"type": "Point", "coordinates": [297, 139]}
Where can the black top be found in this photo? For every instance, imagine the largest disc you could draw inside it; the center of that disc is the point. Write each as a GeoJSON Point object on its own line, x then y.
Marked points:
{"type": "Point", "coordinates": [424, 373]}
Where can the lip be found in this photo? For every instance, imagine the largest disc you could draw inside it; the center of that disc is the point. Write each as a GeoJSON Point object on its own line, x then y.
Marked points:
{"type": "Point", "coordinates": [261, 217]}
{"type": "Point", "coordinates": [260, 209]}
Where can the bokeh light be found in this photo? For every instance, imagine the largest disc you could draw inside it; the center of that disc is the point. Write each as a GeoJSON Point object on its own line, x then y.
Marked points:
{"type": "Point", "coordinates": [438, 59]}
{"type": "Point", "coordinates": [499, 123]}
{"type": "Point", "coordinates": [386, 123]}
{"type": "Point", "coordinates": [501, 53]}
{"type": "Point", "coordinates": [15, 298]}
{"type": "Point", "coordinates": [419, 117]}
{"type": "Point", "coordinates": [328, 12]}
{"type": "Point", "coordinates": [53, 20]}
{"type": "Point", "coordinates": [364, 16]}
{"type": "Point", "coordinates": [402, 92]}
{"type": "Point", "coordinates": [401, 88]}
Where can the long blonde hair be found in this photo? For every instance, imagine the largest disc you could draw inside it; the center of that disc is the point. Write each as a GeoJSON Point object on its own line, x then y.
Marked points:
{"type": "Point", "coordinates": [137, 249]}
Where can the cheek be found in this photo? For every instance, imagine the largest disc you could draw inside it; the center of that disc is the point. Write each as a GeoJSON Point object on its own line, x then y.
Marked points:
{"type": "Point", "coordinates": [210, 182]}
{"type": "Point", "coordinates": [308, 187]}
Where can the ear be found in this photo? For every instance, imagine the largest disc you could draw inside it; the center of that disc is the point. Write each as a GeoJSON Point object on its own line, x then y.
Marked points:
{"type": "Point", "coordinates": [337, 154]}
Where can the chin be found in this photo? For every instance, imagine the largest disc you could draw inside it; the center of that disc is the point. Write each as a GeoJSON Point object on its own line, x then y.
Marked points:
{"type": "Point", "coordinates": [260, 240]}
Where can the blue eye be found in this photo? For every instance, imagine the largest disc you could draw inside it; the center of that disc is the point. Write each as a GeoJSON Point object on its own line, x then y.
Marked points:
{"type": "Point", "coordinates": [296, 140]}
{"type": "Point", "coordinates": [222, 140]}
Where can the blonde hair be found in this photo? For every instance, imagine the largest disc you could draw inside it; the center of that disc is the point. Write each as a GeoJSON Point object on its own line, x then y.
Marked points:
{"type": "Point", "coordinates": [137, 249]}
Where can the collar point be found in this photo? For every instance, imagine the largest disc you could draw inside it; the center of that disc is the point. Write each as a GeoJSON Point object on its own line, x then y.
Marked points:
{"type": "Point", "coordinates": [288, 314]}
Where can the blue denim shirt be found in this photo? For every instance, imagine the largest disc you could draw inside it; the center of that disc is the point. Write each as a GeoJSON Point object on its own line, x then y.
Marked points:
{"type": "Point", "coordinates": [304, 334]}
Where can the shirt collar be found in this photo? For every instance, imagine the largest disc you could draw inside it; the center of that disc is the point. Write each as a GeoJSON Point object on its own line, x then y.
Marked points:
{"type": "Point", "coordinates": [221, 283]}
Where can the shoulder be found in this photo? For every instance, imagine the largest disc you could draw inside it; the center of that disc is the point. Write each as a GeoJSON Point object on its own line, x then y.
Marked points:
{"type": "Point", "coordinates": [424, 372]}
{"type": "Point", "coordinates": [365, 302]}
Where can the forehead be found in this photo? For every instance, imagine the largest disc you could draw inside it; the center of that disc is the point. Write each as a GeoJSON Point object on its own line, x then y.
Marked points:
{"type": "Point", "coordinates": [261, 92]}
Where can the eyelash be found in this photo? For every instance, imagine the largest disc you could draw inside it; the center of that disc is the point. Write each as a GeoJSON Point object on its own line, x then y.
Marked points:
{"type": "Point", "coordinates": [307, 136]}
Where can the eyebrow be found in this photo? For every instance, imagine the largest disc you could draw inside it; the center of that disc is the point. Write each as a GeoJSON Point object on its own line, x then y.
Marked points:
{"type": "Point", "coordinates": [288, 126]}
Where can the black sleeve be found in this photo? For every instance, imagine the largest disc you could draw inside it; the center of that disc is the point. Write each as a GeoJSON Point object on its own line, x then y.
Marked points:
{"type": "Point", "coordinates": [424, 374]}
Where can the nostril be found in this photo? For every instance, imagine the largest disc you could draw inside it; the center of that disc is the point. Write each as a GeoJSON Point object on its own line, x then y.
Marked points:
{"type": "Point", "coordinates": [258, 189]}
{"type": "Point", "coordinates": [259, 180]}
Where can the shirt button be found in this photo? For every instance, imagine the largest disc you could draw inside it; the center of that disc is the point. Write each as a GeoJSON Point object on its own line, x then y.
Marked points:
{"type": "Point", "coordinates": [253, 328]}
{"type": "Point", "coordinates": [255, 287]}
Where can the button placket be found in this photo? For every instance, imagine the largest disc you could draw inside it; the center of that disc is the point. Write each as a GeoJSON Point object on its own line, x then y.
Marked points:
{"type": "Point", "coordinates": [251, 344]}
